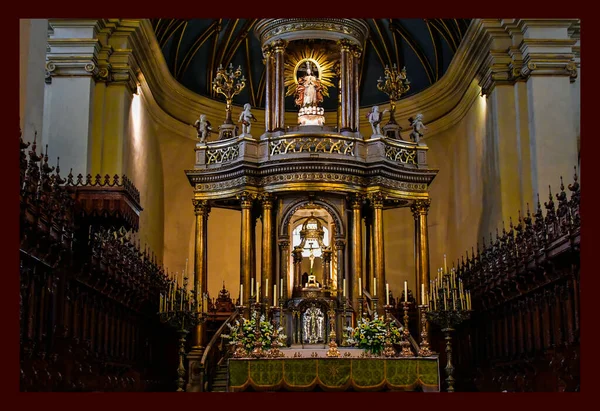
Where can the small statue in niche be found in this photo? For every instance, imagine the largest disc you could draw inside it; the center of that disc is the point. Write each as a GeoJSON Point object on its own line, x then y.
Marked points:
{"type": "Point", "coordinates": [202, 126]}
{"type": "Point", "coordinates": [417, 125]}
{"type": "Point", "coordinates": [245, 117]}
{"type": "Point", "coordinates": [375, 117]}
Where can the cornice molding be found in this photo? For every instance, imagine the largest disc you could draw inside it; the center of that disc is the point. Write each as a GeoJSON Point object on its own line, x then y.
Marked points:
{"type": "Point", "coordinates": [443, 104]}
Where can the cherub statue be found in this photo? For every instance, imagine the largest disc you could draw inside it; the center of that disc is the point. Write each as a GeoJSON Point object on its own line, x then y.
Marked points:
{"type": "Point", "coordinates": [417, 125]}
{"type": "Point", "coordinates": [375, 117]}
{"type": "Point", "coordinates": [245, 117]}
{"type": "Point", "coordinates": [202, 126]}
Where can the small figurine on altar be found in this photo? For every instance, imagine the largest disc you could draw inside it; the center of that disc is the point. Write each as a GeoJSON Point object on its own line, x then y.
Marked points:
{"type": "Point", "coordinates": [245, 117]}
{"type": "Point", "coordinates": [375, 117]}
{"type": "Point", "coordinates": [417, 125]}
{"type": "Point", "coordinates": [202, 126]}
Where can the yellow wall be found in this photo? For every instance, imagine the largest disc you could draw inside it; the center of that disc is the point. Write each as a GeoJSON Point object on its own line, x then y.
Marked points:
{"type": "Point", "coordinates": [456, 216]}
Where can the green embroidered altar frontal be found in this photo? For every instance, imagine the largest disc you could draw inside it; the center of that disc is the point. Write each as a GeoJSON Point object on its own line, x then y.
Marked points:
{"type": "Point", "coordinates": [334, 374]}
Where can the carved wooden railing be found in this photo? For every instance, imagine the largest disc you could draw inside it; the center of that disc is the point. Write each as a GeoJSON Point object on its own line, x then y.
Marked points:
{"type": "Point", "coordinates": [87, 299]}
{"type": "Point", "coordinates": [216, 351]}
{"type": "Point", "coordinates": [525, 292]}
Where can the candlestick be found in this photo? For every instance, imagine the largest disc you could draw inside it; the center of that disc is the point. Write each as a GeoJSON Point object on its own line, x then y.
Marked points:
{"type": "Point", "coordinates": [454, 300]}
{"type": "Point", "coordinates": [445, 265]}
{"type": "Point", "coordinates": [359, 287]}
{"type": "Point", "coordinates": [257, 291]}
{"type": "Point", "coordinates": [387, 294]}
{"type": "Point", "coordinates": [445, 304]}
{"type": "Point", "coordinates": [274, 295]}
{"type": "Point", "coordinates": [241, 294]}
{"type": "Point", "coordinates": [344, 287]}
{"type": "Point", "coordinates": [405, 292]}
{"type": "Point", "coordinates": [251, 287]}
{"type": "Point", "coordinates": [160, 306]}
{"type": "Point", "coordinates": [281, 288]}
{"type": "Point", "coordinates": [374, 287]}
{"type": "Point", "coordinates": [267, 288]}
{"type": "Point", "coordinates": [422, 293]}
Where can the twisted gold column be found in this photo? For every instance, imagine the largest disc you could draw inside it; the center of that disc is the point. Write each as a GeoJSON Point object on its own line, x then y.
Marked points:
{"type": "Point", "coordinates": [269, 92]}
{"type": "Point", "coordinates": [279, 97]}
{"type": "Point", "coordinates": [267, 248]}
{"type": "Point", "coordinates": [379, 258]}
{"type": "Point", "coordinates": [201, 210]}
{"type": "Point", "coordinates": [246, 246]}
{"type": "Point", "coordinates": [356, 270]}
{"type": "Point", "coordinates": [419, 209]}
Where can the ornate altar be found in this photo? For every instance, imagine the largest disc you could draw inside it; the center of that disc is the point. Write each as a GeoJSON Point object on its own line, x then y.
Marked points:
{"type": "Point", "coordinates": [317, 188]}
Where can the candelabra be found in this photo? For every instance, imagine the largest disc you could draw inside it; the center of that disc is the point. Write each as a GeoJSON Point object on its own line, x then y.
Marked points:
{"type": "Point", "coordinates": [333, 348]}
{"type": "Point", "coordinates": [424, 350]}
{"type": "Point", "coordinates": [344, 342]}
{"type": "Point", "coordinates": [451, 306]}
{"type": "Point", "coordinates": [179, 310]}
{"type": "Point", "coordinates": [228, 82]}
{"type": "Point", "coordinates": [395, 85]}
{"type": "Point", "coordinates": [388, 350]}
{"type": "Point", "coordinates": [406, 351]}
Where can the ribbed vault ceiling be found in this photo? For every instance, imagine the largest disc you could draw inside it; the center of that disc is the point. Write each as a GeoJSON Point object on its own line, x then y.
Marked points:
{"type": "Point", "coordinates": [194, 48]}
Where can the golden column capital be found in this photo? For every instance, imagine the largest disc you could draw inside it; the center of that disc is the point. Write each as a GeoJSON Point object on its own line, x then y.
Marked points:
{"type": "Point", "coordinates": [345, 44]}
{"type": "Point", "coordinates": [356, 51]}
{"type": "Point", "coordinates": [340, 243]}
{"type": "Point", "coordinates": [279, 45]}
{"type": "Point", "coordinates": [356, 201]}
{"type": "Point", "coordinates": [201, 207]}
{"type": "Point", "coordinates": [377, 199]}
{"type": "Point", "coordinates": [267, 50]}
{"type": "Point", "coordinates": [283, 243]}
{"type": "Point", "coordinates": [266, 200]}
{"type": "Point", "coordinates": [420, 207]}
{"type": "Point", "coordinates": [246, 199]}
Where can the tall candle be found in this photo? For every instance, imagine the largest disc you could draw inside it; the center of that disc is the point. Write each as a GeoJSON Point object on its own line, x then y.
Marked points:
{"type": "Point", "coordinates": [359, 287]}
{"type": "Point", "coordinates": [387, 294]}
{"type": "Point", "coordinates": [454, 300]}
{"type": "Point", "coordinates": [241, 294]}
{"type": "Point", "coordinates": [160, 305]}
{"type": "Point", "coordinates": [374, 287]}
{"type": "Point", "coordinates": [445, 303]}
{"type": "Point", "coordinates": [281, 288]}
{"type": "Point", "coordinates": [445, 265]}
{"type": "Point", "coordinates": [267, 288]}
{"type": "Point", "coordinates": [344, 287]}
{"type": "Point", "coordinates": [422, 293]}
{"type": "Point", "coordinates": [257, 291]}
{"type": "Point", "coordinates": [186, 262]}
{"type": "Point", "coordinates": [275, 295]}
{"type": "Point", "coordinates": [251, 287]}
{"type": "Point", "coordinates": [405, 292]}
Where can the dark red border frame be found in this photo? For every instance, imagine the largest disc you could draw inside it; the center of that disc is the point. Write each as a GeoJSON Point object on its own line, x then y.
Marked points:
{"type": "Point", "coordinates": [264, 8]}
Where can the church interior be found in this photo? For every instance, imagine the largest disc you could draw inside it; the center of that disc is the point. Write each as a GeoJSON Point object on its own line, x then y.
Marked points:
{"type": "Point", "coordinates": [299, 204]}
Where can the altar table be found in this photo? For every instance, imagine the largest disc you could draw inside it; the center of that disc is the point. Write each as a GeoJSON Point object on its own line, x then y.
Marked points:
{"type": "Point", "coordinates": [334, 374]}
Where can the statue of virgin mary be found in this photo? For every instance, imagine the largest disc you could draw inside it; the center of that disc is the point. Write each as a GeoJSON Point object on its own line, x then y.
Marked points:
{"type": "Point", "coordinates": [309, 90]}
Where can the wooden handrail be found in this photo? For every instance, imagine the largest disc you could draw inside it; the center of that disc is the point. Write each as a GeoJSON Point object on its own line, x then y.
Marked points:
{"type": "Point", "coordinates": [217, 336]}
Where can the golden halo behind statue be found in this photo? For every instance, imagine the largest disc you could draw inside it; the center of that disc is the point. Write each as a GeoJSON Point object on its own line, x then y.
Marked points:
{"type": "Point", "coordinates": [296, 60]}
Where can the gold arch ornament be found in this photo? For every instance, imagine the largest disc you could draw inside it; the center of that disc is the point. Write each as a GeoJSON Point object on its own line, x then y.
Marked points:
{"type": "Point", "coordinates": [297, 59]}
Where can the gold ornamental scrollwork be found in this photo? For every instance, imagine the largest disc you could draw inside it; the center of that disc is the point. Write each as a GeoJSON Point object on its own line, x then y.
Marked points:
{"type": "Point", "coordinates": [201, 207]}
{"type": "Point", "coordinates": [420, 207]}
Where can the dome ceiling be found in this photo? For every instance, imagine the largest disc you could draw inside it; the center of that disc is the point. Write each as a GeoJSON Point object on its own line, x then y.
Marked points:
{"type": "Point", "coordinates": [194, 48]}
